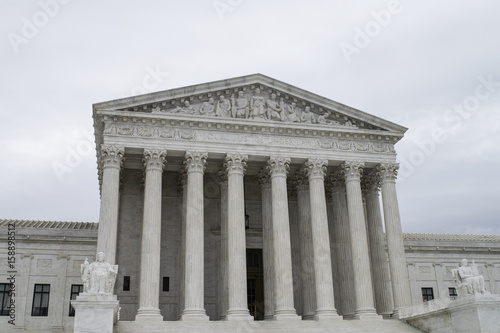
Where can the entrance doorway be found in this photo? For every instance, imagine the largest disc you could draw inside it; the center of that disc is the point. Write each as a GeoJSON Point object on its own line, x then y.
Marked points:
{"type": "Point", "coordinates": [255, 283]}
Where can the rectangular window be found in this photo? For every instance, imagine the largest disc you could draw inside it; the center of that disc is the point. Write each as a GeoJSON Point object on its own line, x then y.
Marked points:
{"type": "Point", "coordinates": [41, 300]}
{"type": "Point", "coordinates": [166, 283]}
{"type": "Point", "coordinates": [126, 283]}
{"type": "Point", "coordinates": [4, 299]}
{"type": "Point", "coordinates": [453, 293]}
{"type": "Point", "coordinates": [76, 289]}
{"type": "Point", "coordinates": [427, 294]}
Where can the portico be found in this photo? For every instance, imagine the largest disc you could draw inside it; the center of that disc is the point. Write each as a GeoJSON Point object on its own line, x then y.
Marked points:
{"type": "Point", "coordinates": [234, 167]}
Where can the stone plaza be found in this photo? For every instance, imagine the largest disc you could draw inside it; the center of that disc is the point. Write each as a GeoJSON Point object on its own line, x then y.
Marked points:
{"type": "Point", "coordinates": [241, 205]}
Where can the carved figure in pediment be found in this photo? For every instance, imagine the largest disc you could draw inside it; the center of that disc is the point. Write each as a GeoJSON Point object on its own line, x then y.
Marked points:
{"type": "Point", "coordinates": [187, 108]}
{"type": "Point", "coordinates": [223, 107]}
{"type": "Point", "coordinates": [274, 108]}
{"type": "Point", "coordinates": [257, 106]}
{"type": "Point", "coordinates": [156, 109]}
{"type": "Point", "coordinates": [323, 119]}
{"type": "Point", "coordinates": [208, 108]}
{"type": "Point", "coordinates": [307, 116]}
{"type": "Point", "coordinates": [349, 124]}
{"type": "Point", "coordinates": [290, 114]}
{"type": "Point", "coordinates": [241, 107]}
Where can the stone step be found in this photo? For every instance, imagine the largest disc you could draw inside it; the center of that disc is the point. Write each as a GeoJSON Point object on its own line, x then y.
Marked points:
{"type": "Point", "coordinates": [341, 326]}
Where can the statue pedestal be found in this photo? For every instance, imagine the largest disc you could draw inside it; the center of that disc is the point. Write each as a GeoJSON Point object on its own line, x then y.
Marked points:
{"type": "Point", "coordinates": [95, 313]}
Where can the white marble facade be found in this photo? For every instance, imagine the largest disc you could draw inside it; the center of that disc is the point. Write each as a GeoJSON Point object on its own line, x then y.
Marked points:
{"type": "Point", "coordinates": [182, 171]}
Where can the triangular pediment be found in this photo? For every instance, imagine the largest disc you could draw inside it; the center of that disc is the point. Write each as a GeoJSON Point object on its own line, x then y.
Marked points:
{"type": "Point", "coordinates": [252, 97]}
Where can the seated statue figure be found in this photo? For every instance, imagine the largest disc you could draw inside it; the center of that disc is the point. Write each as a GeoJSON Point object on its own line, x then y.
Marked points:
{"type": "Point", "coordinates": [98, 277]}
{"type": "Point", "coordinates": [468, 277]}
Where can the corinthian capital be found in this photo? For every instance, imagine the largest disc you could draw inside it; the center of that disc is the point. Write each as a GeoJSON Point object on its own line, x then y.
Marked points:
{"type": "Point", "coordinates": [264, 177]}
{"type": "Point", "coordinates": [195, 161]}
{"type": "Point", "coordinates": [112, 156]}
{"type": "Point", "coordinates": [300, 181]}
{"type": "Point", "coordinates": [335, 181]}
{"type": "Point", "coordinates": [278, 165]}
{"type": "Point", "coordinates": [236, 163]}
{"type": "Point", "coordinates": [154, 159]}
{"type": "Point", "coordinates": [370, 183]}
{"type": "Point", "coordinates": [316, 168]}
{"type": "Point", "coordinates": [352, 170]}
{"type": "Point", "coordinates": [388, 172]}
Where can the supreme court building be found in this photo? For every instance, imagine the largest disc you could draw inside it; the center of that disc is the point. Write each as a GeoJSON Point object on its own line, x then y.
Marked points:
{"type": "Point", "coordinates": [245, 199]}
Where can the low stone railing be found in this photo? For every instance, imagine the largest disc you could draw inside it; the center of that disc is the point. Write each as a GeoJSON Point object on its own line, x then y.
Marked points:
{"type": "Point", "coordinates": [425, 307]}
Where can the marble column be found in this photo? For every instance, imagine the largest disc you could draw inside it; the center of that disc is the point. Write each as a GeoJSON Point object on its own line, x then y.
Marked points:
{"type": "Point", "coordinates": [223, 293]}
{"type": "Point", "coordinates": [267, 243]}
{"type": "Point", "coordinates": [59, 295]}
{"type": "Point", "coordinates": [111, 162]}
{"type": "Point", "coordinates": [283, 279]}
{"type": "Point", "coordinates": [306, 245]}
{"type": "Point", "coordinates": [149, 288]}
{"type": "Point", "coordinates": [397, 259]}
{"type": "Point", "coordinates": [236, 245]}
{"type": "Point", "coordinates": [342, 239]}
{"type": "Point", "coordinates": [359, 242]}
{"type": "Point", "coordinates": [194, 259]}
{"type": "Point", "coordinates": [378, 254]}
{"type": "Point", "coordinates": [325, 302]}
{"type": "Point", "coordinates": [182, 185]}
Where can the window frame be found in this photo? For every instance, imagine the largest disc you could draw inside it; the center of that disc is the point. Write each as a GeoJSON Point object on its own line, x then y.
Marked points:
{"type": "Point", "coordinates": [71, 298]}
{"type": "Point", "coordinates": [5, 299]}
{"type": "Point", "coordinates": [426, 296]}
{"type": "Point", "coordinates": [44, 294]}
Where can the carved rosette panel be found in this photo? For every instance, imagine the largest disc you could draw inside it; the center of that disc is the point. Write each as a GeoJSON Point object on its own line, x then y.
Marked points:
{"type": "Point", "coordinates": [388, 172]}
{"type": "Point", "coordinates": [195, 161]}
{"type": "Point", "coordinates": [278, 165]}
{"type": "Point", "coordinates": [352, 170]}
{"type": "Point", "coordinates": [335, 181]}
{"type": "Point", "coordinates": [264, 178]}
{"type": "Point", "coordinates": [236, 163]}
{"type": "Point", "coordinates": [316, 168]}
{"type": "Point", "coordinates": [112, 157]}
{"type": "Point", "coordinates": [154, 159]}
{"type": "Point", "coordinates": [370, 183]}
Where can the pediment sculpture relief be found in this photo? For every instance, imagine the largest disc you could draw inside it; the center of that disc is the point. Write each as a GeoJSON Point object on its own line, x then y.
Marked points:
{"type": "Point", "coordinates": [253, 106]}
{"type": "Point", "coordinates": [468, 279]}
{"type": "Point", "coordinates": [98, 277]}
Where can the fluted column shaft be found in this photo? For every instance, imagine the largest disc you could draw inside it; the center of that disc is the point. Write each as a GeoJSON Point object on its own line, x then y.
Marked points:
{"type": "Point", "coordinates": [111, 163]}
{"type": "Point", "coordinates": [267, 243]}
{"type": "Point", "coordinates": [194, 259]}
{"type": "Point", "coordinates": [342, 239]}
{"type": "Point", "coordinates": [283, 279]}
{"type": "Point", "coordinates": [236, 245]}
{"type": "Point", "coordinates": [359, 242]}
{"type": "Point", "coordinates": [397, 260]}
{"type": "Point", "coordinates": [323, 277]}
{"type": "Point", "coordinates": [306, 248]}
{"type": "Point", "coordinates": [223, 245]}
{"type": "Point", "coordinates": [378, 255]}
{"type": "Point", "coordinates": [149, 290]}
{"type": "Point", "coordinates": [183, 188]}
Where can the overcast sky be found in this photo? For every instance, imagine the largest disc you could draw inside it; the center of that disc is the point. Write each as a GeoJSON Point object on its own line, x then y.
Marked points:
{"type": "Point", "coordinates": [431, 66]}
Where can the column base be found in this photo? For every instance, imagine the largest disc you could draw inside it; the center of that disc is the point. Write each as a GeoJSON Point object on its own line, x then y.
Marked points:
{"type": "Point", "coordinates": [366, 314]}
{"type": "Point", "coordinates": [286, 315]}
{"type": "Point", "coordinates": [194, 315]}
{"type": "Point", "coordinates": [153, 314]}
{"type": "Point", "coordinates": [327, 314]}
{"type": "Point", "coordinates": [236, 317]}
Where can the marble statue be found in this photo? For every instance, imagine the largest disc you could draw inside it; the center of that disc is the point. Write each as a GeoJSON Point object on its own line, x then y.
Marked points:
{"type": "Point", "coordinates": [274, 108]}
{"type": "Point", "coordinates": [98, 277]}
{"type": "Point", "coordinates": [241, 107]}
{"type": "Point", "coordinates": [257, 106]}
{"type": "Point", "coordinates": [468, 280]}
{"type": "Point", "coordinates": [187, 108]}
{"type": "Point", "coordinates": [323, 119]}
{"type": "Point", "coordinates": [307, 116]}
{"type": "Point", "coordinates": [223, 107]}
{"type": "Point", "coordinates": [290, 114]}
{"type": "Point", "coordinates": [208, 108]}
